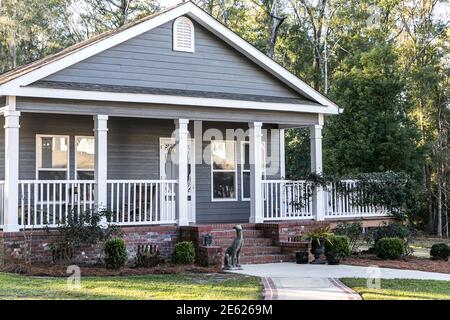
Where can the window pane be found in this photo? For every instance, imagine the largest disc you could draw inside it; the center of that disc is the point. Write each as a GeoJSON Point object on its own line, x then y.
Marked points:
{"type": "Point", "coordinates": [52, 152]}
{"type": "Point", "coordinates": [223, 155]}
{"type": "Point", "coordinates": [52, 175]}
{"type": "Point", "coordinates": [246, 151]}
{"type": "Point", "coordinates": [85, 175]}
{"type": "Point", "coordinates": [246, 184]}
{"type": "Point", "coordinates": [246, 164]}
{"type": "Point", "coordinates": [85, 152]}
{"type": "Point", "coordinates": [224, 185]}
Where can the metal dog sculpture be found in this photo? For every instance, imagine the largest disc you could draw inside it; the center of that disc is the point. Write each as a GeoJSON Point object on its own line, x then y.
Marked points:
{"type": "Point", "coordinates": [232, 254]}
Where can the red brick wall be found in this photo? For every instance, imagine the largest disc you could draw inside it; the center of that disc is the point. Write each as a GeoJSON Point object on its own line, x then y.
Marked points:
{"type": "Point", "coordinates": [13, 245]}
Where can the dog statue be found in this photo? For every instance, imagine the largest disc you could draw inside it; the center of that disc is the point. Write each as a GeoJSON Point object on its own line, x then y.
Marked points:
{"type": "Point", "coordinates": [232, 254]}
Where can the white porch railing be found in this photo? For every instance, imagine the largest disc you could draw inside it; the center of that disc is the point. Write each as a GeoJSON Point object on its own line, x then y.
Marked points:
{"type": "Point", "coordinates": [134, 202]}
{"type": "Point", "coordinates": [292, 200]}
{"type": "Point", "coordinates": [48, 202]}
{"type": "Point", "coordinates": [340, 201]}
{"type": "Point", "coordinates": [286, 200]}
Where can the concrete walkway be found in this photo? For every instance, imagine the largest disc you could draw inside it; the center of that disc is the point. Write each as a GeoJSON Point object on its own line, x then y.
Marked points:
{"type": "Point", "coordinates": [290, 281]}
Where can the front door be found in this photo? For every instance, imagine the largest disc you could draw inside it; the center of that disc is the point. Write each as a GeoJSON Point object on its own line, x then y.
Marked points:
{"type": "Point", "coordinates": [167, 170]}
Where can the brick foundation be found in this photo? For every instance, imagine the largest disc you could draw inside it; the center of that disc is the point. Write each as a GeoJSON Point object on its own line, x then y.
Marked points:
{"type": "Point", "coordinates": [263, 242]}
{"type": "Point", "coordinates": [13, 244]}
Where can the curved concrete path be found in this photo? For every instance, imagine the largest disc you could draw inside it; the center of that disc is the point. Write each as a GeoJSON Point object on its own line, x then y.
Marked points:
{"type": "Point", "coordinates": [287, 281]}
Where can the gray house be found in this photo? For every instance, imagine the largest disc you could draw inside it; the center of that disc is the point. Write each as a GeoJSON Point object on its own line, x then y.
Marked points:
{"type": "Point", "coordinates": [170, 120]}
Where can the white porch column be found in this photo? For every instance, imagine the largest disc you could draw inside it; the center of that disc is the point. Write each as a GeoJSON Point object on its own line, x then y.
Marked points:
{"type": "Point", "coordinates": [101, 160]}
{"type": "Point", "coordinates": [11, 191]}
{"type": "Point", "coordinates": [181, 139]}
{"type": "Point", "coordinates": [282, 155]}
{"type": "Point", "coordinates": [256, 214]}
{"type": "Point", "coordinates": [318, 209]}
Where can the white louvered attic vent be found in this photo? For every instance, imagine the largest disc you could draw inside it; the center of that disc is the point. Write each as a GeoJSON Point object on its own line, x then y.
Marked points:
{"type": "Point", "coordinates": [183, 35]}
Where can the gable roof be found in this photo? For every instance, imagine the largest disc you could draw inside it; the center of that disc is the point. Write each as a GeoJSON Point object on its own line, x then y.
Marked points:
{"type": "Point", "coordinates": [15, 82]}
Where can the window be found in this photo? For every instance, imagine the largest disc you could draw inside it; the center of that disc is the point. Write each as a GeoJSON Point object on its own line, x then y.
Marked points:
{"type": "Point", "coordinates": [84, 158]}
{"type": "Point", "coordinates": [183, 35]}
{"type": "Point", "coordinates": [245, 168]}
{"type": "Point", "coordinates": [223, 170]}
{"type": "Point", "coordinates": [52, 153]}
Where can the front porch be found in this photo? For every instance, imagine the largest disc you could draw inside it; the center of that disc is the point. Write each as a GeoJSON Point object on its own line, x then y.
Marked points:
{"type": "Point", "coordinates": [131, 167]}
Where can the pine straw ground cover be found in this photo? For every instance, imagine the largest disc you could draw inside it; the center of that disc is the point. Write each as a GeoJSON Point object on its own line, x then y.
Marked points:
{"type": "Point", "coordinates": [187, 286]}
{"type": "Point", "coordinates": [401, 289]}
{"type": "Point", "coordinates": [409, 262]}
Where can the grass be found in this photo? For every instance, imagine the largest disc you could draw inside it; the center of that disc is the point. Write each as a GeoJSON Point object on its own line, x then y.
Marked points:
{"type": "Point", "coordinates": [401, 289]}
{"type": "Point", "coordinates": [173, 287]}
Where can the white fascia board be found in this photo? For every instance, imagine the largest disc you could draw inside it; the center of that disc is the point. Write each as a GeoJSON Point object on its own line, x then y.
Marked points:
{"type": "Point", "coordinates": [168, 99]}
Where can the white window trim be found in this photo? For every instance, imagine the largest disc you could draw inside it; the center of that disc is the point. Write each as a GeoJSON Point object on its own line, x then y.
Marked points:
{"type": "Point", "coordinates": [38, 136]}
{"type": "Point", "coordinates": [76, 162]}
{"type": "Point", "coordinates": [175, 35]}
{"type": "Point", "coordinates": [243, 143]}
{"type": "Point", "coordinates": [222, 170]}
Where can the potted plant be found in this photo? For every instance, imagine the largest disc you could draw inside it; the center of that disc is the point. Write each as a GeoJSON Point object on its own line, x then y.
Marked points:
{"type": "Point", "coordinates": [336, 248]}
{"type": "Point", "coordinates": [318, 236]}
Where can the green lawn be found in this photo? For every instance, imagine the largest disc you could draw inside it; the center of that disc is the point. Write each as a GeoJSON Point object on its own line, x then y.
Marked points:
{"type": "Point", "coordinates": [186, 286]}
{"type": "Point", "coordinates": [401, 289]}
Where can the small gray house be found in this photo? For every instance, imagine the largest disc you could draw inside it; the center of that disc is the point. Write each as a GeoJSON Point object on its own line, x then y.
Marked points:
{"type": "Point", "coordinates": [172, 120]}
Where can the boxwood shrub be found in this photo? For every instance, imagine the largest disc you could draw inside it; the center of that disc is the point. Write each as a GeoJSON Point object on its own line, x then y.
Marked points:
{"type": "Point", "coordinates": [184, 252]}
{"type": "Point", "coordinates": [115, 253]}
{"type": "Point", "coordinates": [390, 248]}
{"type": "Point", "coordinates": [440, 251]}
{"type": "Point", "coordinates": [337, 245]}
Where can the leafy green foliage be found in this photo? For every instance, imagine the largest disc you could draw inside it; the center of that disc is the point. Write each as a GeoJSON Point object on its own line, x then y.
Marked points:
{"type": "Point", "coordinates": [390, 248]}
{"type": "Point", "coordinates": [396, 192]}
{"type": "Point", "coordinates": [440, 251]}
{"type": "Point", "coordinates": [390, 230]}
{"type": "Point", "coordinates": [184, 252]}
{"type": "Point", "coordinates": [353, 231]}
{"type": "Point", "coordinates": [115, 252]}
{"type": "Point", "coordinates": [338, 246]}
{"type": "Point", "coordinates": [86, 228]}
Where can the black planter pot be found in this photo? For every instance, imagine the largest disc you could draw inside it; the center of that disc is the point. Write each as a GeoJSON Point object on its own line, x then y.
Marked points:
{"type": "Point", "coordinates": [301, 257]}
{"type": "Point", "coordinates": [317, 249]}
{"type": "Point", "coordinates": [333, 259]}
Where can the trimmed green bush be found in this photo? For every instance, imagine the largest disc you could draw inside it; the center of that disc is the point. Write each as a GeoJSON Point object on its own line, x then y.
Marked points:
{"type": "Point", "coordinates": [338, 245]}
{"type": "Point", "coordinates": [184, 252]}
{"type": "Point", "coordinates": [115, 253]}
{"type": "Point", "coordinates": [353, 231]}
{"type": "Point", "coordinates": [440, 251]}
{"type": "Point", "coordinates": [390, 248]}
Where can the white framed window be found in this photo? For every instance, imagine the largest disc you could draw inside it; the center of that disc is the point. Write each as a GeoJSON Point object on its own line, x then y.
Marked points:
{"type": "Point", "coordinates": [183, 35]}
{"type": "Point", "coordinates": [223, 171]}
{"type": "Point", "coordinates": [84, 157]}
{"type": "Point", "coordinates": [52, 157]}
{"type": "Point", "coordinates": [245, 168]}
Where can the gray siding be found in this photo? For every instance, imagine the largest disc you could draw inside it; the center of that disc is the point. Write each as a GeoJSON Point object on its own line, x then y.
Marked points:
{"type": "Point", "coordinates": [133, 153]}
{"type": "Point", "coordinates": [149, 61]}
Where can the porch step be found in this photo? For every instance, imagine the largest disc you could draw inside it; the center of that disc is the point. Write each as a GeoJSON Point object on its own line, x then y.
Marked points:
{"type": "Point", "coordinates": [248, 242]}
{"type": "Point", "coordinates": [267, 258]}
{"type": "Point", "coordinates": [230, 234]}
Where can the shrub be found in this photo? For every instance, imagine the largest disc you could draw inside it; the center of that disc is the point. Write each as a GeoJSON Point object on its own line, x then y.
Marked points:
{"type": "Point", "coordinates": [337, 245]}
{"type": "Point", "coordinates": [390, 248]}
{"type": "Point", "coordinates": [115, 253]}
{"type": "Point", "coordinates": [352, 230]}
{"type": "Point", "coordinates": [440, 251]}
{"type": "Point", "coordinates": [392, 230]}
{"type": "Point", "coordinates": [184, 252]}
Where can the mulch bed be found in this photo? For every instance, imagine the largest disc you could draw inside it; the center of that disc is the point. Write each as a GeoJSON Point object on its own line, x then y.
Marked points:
{"type": "Point", "coordinates": [409, 262]}
{"type": "Point", "coordinates": [60, 270]}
